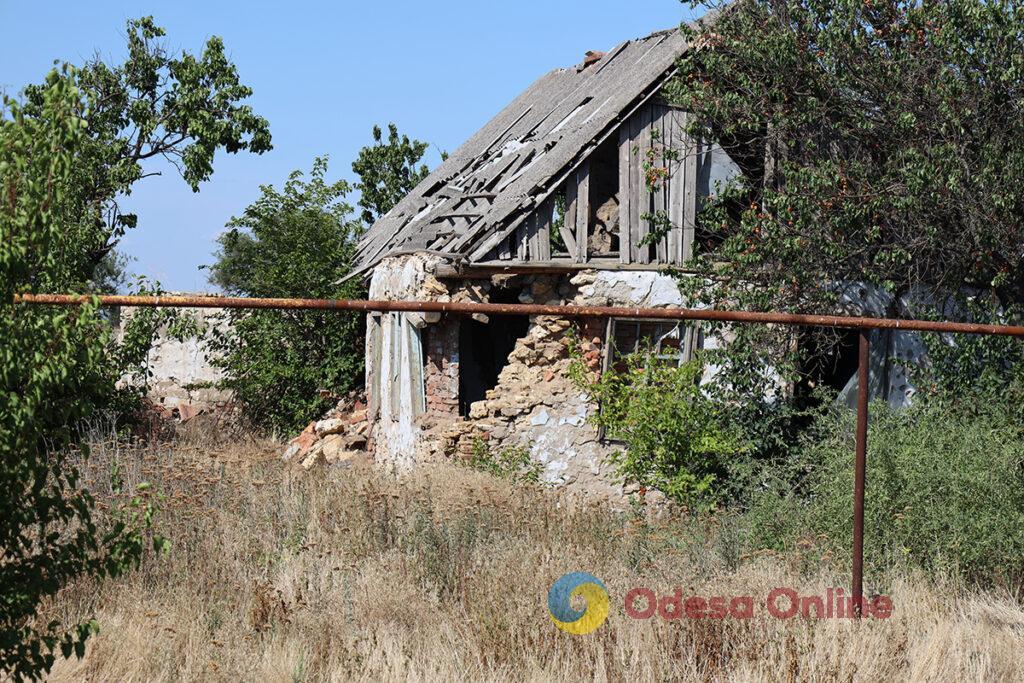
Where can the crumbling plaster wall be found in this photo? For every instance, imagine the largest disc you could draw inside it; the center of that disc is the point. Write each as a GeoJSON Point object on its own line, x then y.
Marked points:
{"type": "Point", "coordinates": [535, 404]}
{"type": "Point", "coordinates": [394, 394]}
{"type": "Point", "coordinates": [183, 377]}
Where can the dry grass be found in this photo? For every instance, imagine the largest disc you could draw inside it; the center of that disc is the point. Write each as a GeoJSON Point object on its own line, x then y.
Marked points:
{"type": "Point", "coordinates": [349, 574]}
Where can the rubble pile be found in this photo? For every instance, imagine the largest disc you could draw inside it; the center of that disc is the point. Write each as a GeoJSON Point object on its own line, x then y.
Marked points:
{"type": "Point", "coordinates": [339, 438]}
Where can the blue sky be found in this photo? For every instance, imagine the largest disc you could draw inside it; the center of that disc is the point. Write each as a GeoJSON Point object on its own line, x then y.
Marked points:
{"type": "Point", "coordinates": [323, 74]}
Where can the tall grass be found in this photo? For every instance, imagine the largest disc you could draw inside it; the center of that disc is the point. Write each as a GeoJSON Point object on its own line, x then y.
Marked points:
{"type": "Point", "coordinates": [344, 574]}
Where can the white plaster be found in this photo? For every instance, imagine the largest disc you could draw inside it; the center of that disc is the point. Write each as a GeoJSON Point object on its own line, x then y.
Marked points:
{"type": "Point", "coordinates": [540, 418]}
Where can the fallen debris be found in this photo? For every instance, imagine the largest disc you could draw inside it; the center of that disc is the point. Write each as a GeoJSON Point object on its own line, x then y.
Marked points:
{"type": "Point", "coordinates": [339, 438]}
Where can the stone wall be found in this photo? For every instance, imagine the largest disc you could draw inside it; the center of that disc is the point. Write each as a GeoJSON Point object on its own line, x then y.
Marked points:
{"type": "Point", "coordinates": [535, 405]}
{"type": "Point", "coordinates": [183, 380]}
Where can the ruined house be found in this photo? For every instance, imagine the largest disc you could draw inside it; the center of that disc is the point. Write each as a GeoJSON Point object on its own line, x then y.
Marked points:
{"type": "Point", "coordinates": [547, 203]}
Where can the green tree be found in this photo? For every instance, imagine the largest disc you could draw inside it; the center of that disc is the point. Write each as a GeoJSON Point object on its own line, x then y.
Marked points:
{"type": "Point", "coordinates": [880, 142]}
{"type": "Point", "coordinates": [51, 362]}
{"type": "Point", "coordinates": [295, 242]}
{"type": "Point", "coordinates": [387, 171]}
{"type": "Point", "coordinates": [154, 106]}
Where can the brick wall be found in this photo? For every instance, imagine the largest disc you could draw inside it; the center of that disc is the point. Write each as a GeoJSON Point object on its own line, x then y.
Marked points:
{"type": "Point", "coordinates": [442, 372]}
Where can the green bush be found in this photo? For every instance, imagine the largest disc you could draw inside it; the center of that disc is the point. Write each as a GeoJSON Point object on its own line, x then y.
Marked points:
{"type": "Point", "coordinates": [53, 366]}
{"type": "Point", "coordinates": [945, 491]}
{"type": "Point", "coordinates": [679, 441]}
{"type": "Point", "coordinates": [296, 242]}
{"type": "Point", "coordinates": [286, 366]}
{"type": "Point", "coordinates": [512, 462]}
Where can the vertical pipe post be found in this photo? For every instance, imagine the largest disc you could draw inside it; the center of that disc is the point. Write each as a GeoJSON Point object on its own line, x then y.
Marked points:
{"type": "Point", "coordinates": [860, 463]}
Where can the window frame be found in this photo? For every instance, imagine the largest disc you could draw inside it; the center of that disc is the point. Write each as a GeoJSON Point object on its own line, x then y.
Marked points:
{"type": "Point", "coordinates": [689, 337]}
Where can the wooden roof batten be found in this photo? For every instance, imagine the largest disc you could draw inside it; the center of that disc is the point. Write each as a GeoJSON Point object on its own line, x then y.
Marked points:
{"type": "Point", "coordinates": [494, 181]}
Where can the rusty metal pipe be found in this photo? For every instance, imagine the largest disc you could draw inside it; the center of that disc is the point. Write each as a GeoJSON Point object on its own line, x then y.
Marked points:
{"type": "Point", "coordinates": [860, 468]}
{"type": "Point", "coordinates": [863, 324]}
{"type": "Point", "coordinates": [775, 318]}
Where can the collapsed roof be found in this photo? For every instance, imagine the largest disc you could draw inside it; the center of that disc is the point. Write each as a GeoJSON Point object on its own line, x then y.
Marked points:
{"type": "Point", "coordinates": [498, 177]}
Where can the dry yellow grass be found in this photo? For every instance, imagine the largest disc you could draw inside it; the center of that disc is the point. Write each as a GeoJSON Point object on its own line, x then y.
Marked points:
{"type": "Point", "coordinates": [279, 575]}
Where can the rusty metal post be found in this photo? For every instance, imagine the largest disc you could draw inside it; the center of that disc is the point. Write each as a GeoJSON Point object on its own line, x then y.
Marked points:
{"type": "Point", "coordinates": [860, 466]}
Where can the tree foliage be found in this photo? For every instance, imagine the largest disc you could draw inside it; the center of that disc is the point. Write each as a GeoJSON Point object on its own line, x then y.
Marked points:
{"type": "Point", "coordinates": [285, 366]}
{"type": "Point", "coordinates": [154, 106]}
{"type": "Point", "coordinates": [678, 440]}
{"type": "Point", "coordinates": [295, 242]}
{"type": "Point", "coordinates": [387, 171]}
{"type": "Point", "coordinates": [52, 363]}
{"type": "Point", "coordinates": [881, 142]}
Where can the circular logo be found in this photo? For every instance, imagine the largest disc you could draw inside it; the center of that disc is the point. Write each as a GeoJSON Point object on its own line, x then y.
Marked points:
{"type": "Point", "coordinates": [573, 621]}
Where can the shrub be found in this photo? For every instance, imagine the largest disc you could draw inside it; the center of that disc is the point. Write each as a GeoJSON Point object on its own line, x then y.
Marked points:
{"type": "Point", "coordinates": [296, 242]}
{"type": "Point", "coordinates": [52, 366]}
{"type": "Point", "coordinates": [678, 440]}
{"type": "Point", "coordinates": [945, 491]}
{"type": "Point", "coordinates": [511, 462]}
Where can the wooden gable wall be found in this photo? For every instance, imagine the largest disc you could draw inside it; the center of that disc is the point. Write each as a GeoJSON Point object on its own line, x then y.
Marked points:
{"type": "Point", "coordinates": [642, 142]}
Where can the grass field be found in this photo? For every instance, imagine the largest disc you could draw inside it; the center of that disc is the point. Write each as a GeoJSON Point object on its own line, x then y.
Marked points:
{"type": "Point", "coordinates": [341, 574]}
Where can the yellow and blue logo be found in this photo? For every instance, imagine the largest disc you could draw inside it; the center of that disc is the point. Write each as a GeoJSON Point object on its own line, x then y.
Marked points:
{"type": "Point", "coordinates": [578, 584]}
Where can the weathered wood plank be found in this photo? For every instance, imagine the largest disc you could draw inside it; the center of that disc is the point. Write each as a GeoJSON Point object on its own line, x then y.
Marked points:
{"type": "Point", "coordinates": [625, 217]}
{"type": "Point", "coordinates": [531, 236]}
{"type": "Point", "coordinates": [569, 229]}
{"type": "Point", "coordinates": [472, 271]}
{"type": "Point", "coordinates": [658, 118]}
{"type": "Point", "coordinates": [689, 193]}
{"type": "Point", "coordinates": [544, 230]}
{"type": "Point", "coordinates": [521, 237]}
{"type": "Point", "coordinates": [504, 252]}
{"type": "Point", "coordinates": [582, 210]}
{"type": "Point", "coordinates": [643, 254]}
{"type": "Point", "coordinates": [674, 236]}
{"type": "Point", "coordinates": [636, 195]}
{"type": "Point", "coordinates": [678, 185]}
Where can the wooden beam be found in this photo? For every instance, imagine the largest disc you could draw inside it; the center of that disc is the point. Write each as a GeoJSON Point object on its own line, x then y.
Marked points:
{"type": "Point", "coordinates": [658, 119]}
{"type": "Point", "coordinates": [677, 186]}
{"type": "Point", "coordinates": [625, 232]}
{"type": "Point", "coordinates": [582, 210]}
{"type": "Point", "coordinates": [544, 230]}
{"type": "Point", "coordinates": [689, 193]}
{"type": "Point", "coordinates": [504, 253]}
{"type": "Point", "coordinates": [471, 271]}
{"type": "Point", "coordinates": [521, 236]}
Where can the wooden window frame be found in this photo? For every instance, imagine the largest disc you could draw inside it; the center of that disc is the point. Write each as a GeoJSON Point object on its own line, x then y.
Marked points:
{"type": "Point", "coordinates": [689, 336]}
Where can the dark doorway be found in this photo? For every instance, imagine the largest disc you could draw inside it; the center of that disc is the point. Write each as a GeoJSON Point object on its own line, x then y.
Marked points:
{"type": "Point", "coordinates": [484, 349]}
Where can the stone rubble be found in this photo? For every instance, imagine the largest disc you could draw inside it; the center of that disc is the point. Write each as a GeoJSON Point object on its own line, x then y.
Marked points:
{"type": "Point", "coordinates": [339, 438]}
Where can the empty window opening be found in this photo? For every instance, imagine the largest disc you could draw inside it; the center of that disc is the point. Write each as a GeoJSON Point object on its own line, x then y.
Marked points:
{"type": "Point", "coordinates": [603, 223]}
{"type": "Point", "coordinates": [484, 349]}
{"type": "Point", "coordinates": [665, 340]}
{"type": "Point", "coordinates": [558, 242]}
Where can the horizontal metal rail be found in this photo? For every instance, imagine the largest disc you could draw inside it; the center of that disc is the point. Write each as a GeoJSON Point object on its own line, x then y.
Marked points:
{"type": "Point", "coordinates": [772, 318]}
{"type": "Point", "coordinates": [776, 318]}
